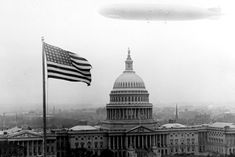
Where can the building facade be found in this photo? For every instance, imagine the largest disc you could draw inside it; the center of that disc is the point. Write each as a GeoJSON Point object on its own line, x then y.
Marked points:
{"type": "Point", "coordinates": [26, 143]}
{"type": "Point", "coordinates": [128, 131]}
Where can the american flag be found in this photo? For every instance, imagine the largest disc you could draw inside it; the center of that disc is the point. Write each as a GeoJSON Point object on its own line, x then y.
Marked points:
{"type": "Point", "coordinates": [62, 64]}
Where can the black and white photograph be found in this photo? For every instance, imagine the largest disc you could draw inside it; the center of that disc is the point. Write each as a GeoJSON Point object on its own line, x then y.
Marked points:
{"type": "Point", "coordinates": [117, 78]}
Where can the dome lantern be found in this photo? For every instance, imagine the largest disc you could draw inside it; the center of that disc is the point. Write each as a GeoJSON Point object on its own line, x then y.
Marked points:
{"type": "Point", "coordinates": [129, 62]}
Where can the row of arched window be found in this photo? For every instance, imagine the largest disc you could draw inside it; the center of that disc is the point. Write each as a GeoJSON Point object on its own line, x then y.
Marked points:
{"type": "Point", "coordinates": [129, 91]}
{"type": "Point", "coordinates": [89, 145]}
{"type": "Point", "coordinates": [129, 85]}
{"type": "Point", "coordinates": [129, 98]}
{"type": "Point", "coordinates": [129, 114]}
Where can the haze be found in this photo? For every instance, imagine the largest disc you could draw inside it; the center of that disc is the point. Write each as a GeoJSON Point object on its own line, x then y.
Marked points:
{"type": "Point", "coordinates": [179, 61]}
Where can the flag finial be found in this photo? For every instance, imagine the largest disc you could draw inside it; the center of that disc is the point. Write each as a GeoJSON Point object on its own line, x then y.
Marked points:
{"type": "Point", "coordinates": [42, 38]}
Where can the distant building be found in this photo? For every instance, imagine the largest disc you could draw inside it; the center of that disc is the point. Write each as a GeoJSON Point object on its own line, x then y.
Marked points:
{"type": "Point", "coordinates": [26, 143]}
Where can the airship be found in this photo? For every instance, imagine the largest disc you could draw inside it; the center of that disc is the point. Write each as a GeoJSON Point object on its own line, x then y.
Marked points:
{"type": "Point", "coordinates": [158, 12]}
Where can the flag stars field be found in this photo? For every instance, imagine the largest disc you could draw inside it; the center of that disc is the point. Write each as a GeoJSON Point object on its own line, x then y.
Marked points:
{"type": "Point", "coordinates": [65, 65]}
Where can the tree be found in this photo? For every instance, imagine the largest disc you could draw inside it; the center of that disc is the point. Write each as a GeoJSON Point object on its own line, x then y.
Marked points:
{"type": "Point", "coordinates": [81, 152]}
{"type": "Point", "coordinates": [107, 153]}
{"type": "Point", "coordinates": [10, 150]}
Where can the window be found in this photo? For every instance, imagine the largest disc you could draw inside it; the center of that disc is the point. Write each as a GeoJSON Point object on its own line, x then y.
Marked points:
{"type": "Point", "coordinates": [193, 140]}
{"type": "Point", "coordinates": [82, 145]}
{"type": "Point", "coordinates": [89, 145]}
{"type": "Point", "coordinates": [193, 148]}
{"type": "Point", "coordinates": [176, 141]}
{"type": "Point", "coordinates": [101, 144]}
{"type": "Point", "coordinates": [96, 144]}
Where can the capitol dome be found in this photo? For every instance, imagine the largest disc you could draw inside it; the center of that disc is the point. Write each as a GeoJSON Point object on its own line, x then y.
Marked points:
{"type": "Point", "coordinates": [129, 101]}
{"type": "Point", "coordinates": [129, 79]}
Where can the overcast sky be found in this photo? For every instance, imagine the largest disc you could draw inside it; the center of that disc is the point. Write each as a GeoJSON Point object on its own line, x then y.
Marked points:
{"type": "Point", "coordinates": [179, 61]}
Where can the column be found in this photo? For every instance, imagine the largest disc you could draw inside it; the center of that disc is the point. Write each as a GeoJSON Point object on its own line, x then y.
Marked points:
{"type": "Point", "coordinates": [154, 141]}
{"type": "Point", "coordinates": [33, 148]}
{"type": "Point", "coordinates": [126, 142]}
{"type": "Point", "coordinates": [109, 144]}
{"type": "Point", "coordinates": [124, 113]}
{"type": "Point", "coordinates": [138, 141]}
{"type": "Point", "coordinates": [159, 139]}
{"type": "Point", "coordinates": [132, 113]}
{"type": "Point", "coordinates": [149, 113]}
{"type": "Point", "coordinates": [37, 147]}
{"type": "Point", "coordinates": [121, 114]}
{"type": "Point", "coordinates": [113, 141]}
{"type": "Point", "coordinates": [131, 144]}
{"type": "Point", "coordinates": [146, 141]}
{"type": "Point", "coordinates": [142, 142]}
{"type": "Point", "coordinates": [121, 142]}
{"type": "Point", "coordinates": [27, 142]}
{"type": "Point", "coordinates": [164, 139]}
{"type": "Point", "coordinates": [134, 143]}
{"type": "Point", "coordinates": [135, 113]}
{"type": "Point", "coordinates": [111, 114]}
{"type": "Point", "coordinates": [118, 142]}
{"type": "Point", "coordinates": [117, 111]}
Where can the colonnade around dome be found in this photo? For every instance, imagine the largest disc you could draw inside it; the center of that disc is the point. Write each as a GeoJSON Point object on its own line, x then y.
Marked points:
{"type": "Point", "coordinates": [129, 113]}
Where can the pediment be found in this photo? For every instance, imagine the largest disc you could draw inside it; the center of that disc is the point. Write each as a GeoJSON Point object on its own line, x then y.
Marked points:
{"type": "Point", "coordinates": [140, 129]}
{"type": "Point", "coordinates": [23, 134]}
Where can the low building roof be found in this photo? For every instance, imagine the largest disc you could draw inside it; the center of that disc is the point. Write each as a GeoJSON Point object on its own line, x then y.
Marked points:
{"type": "Point", "coordinates": [173, 125]}
{"type": "Point", "coordinates": [222, 125]}
{"type": "Point", "coordinates": [83, 127]}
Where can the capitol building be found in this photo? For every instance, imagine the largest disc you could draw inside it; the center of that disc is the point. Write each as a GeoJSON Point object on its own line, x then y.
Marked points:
{"type": "Point", "coordinates": [129, 130]}
{"type": "Point", "coordinates": [129, 102]}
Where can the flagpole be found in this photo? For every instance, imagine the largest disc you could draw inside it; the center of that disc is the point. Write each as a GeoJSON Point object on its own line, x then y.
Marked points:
{"type": "Point", "coordinates": [44, 100]}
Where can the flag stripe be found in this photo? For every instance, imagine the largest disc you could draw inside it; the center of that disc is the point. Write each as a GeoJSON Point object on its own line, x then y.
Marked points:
{"type": "Point", "coordinates": [80, 63]}
{"type": "Point", "coordinates": [82, 68]}
{"type": "Point", "coordinates": [51, 71]}
{"type": "Point", "coordinates": [73, 69]}
{"type": "Point", "coordinates": [77, 57]}
{"type": "Point", "coordinates": [85, 71]}
{"type": "Point", "coordinates": [68, 78]}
